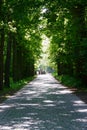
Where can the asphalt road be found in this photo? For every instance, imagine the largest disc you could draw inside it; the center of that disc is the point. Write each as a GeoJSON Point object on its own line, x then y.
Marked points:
{"type": "Point", "coordinates": [43, 104]}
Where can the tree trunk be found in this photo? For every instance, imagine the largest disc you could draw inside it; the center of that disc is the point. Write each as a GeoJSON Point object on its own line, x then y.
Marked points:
{"type": "Point", "coordinates": [15, 74]}
{"type": "Point", "coordinates": [1, 45]}
{"type": "Point", "coordinates": [8, 61]}
{"type": "Point", "coordinates": [78, 13]}
{"type": "Point", "coordinates": [1, 58]}
{"type": "Point", "coordinates": [32, 68]}
{"type": "Point", "coordinates": [17, 62]}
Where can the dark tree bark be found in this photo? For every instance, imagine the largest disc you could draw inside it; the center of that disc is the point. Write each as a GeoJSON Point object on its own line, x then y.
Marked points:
{"type": "Point", "coordinates": [1, 57]}
{"type": "Point", "coordinates": [1, 44]}
{"type": "Point", "coordinates": [31, 68]}
{"type": "Point", "coordinates": [15, 67]}
{"type": "Point", "coordinates": [17, 62]}
{"type": "Point", "coordinates": [8, 61]}
{"type": "Point", "coordinates": [78, 13]}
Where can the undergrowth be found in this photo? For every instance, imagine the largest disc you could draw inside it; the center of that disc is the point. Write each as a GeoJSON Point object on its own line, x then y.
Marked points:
{"type": "Point", "coordinates": [17, 85]}
{"type": "Point", "coordinates": [14, 87]}
{"type": "Point", "coordinates": [68, 81]}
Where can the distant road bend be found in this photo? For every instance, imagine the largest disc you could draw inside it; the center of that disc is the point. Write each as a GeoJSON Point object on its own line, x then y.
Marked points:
{"type": "Point", "coordinates": [43, 104]}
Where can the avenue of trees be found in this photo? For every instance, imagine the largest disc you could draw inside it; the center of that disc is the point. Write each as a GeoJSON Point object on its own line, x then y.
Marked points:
{"type": "Point", "coordinates": [21, 27]}
{"type": "Point", "coordinates": [67, 29]}
{"type": "Point", "coordinates": [20, 41]}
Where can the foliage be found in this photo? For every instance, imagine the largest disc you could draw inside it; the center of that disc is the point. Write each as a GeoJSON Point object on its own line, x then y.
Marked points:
{"type": "Point", "coordinates": [21, 26]}
{"type": "Point", "coordinates": [21, 39]}
{"type": "Point", "coordinates": [66, 24]}
{"type": "Point", "coordinates": [14, 87]}
{"type": "Point", "coordinates": [66, 80]}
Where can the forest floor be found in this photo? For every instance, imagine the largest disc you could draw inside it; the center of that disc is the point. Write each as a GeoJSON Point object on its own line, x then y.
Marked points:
{"type": "Point", "coordinates": [81, 93]}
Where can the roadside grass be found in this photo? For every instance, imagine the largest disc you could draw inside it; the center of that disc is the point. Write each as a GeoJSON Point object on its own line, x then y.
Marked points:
{"type": "Point", "coordinates": [71, 82]}
{"type": "Point", "coordinates": [14, 87]}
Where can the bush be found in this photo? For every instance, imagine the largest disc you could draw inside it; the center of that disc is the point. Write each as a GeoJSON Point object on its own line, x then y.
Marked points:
{"type": "Point", "coordinates": [68, 81]}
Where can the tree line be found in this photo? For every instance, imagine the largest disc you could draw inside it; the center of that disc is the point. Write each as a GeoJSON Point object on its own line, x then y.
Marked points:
{"type": "Point", "coordinates": [67, 29]}
{"type": "Point", "coordinates": [20, 41]}
{"type": "Point", "coordinates": [21, 27]}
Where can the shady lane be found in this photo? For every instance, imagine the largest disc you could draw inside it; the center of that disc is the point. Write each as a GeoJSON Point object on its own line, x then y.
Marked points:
{"type": "Point", "coordinates": [43, 104]}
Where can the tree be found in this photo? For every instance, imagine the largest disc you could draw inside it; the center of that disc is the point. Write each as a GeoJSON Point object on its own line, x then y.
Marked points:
{"type": "Point", "coordinates": [20, 19]}
{"type": "Point", "coordinates": [1, 41]}
{"type": "Point", "coordinates": [67, 27]}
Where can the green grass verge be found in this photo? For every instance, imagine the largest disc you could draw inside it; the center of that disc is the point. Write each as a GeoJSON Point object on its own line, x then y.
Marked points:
{"type": "Point", "coordinates": [14, 87]}
{"type": "Point", "coordinates": [71, 82]}
{"type": "Point", "coordinates": [17, 85]}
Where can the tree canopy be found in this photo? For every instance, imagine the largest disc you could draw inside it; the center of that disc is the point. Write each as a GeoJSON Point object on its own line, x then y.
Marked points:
{"type": "Point", "coordinates": [66, 24]}
{"type": "Point", "coordinates": [22, 23]}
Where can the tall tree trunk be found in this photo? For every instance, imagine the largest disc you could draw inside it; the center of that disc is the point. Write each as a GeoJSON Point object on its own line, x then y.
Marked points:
{"type": "Point", "coordinates": [1, 57]}
{"type": "Point", "coordinates": [32, 68]}
{"type": "Point", "coordinates": [8, 61]}
{"type": "Point", "coordinates": [78, 13]}
{"type": "Point", "coordinates": [17, 62]}
{"type": "Point", "coordinates": [15, 69]}
{"type": "Point", "coordinates": [1, 45]}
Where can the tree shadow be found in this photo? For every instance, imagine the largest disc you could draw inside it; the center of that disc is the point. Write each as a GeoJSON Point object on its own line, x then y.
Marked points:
{"type": "Point", "coordinates": [43, 106]}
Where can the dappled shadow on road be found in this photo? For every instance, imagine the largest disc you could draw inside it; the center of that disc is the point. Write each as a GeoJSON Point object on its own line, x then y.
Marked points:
{"type": "Point", "coordinates": [43, 104]}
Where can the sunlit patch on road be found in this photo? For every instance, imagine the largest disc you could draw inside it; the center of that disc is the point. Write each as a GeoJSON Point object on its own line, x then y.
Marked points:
{"type": "Point", "coordinates": [43, 104]}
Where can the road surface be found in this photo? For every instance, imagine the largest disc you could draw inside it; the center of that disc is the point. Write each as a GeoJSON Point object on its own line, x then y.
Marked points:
{"type": "Point", "coordinates": [43, 104]}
